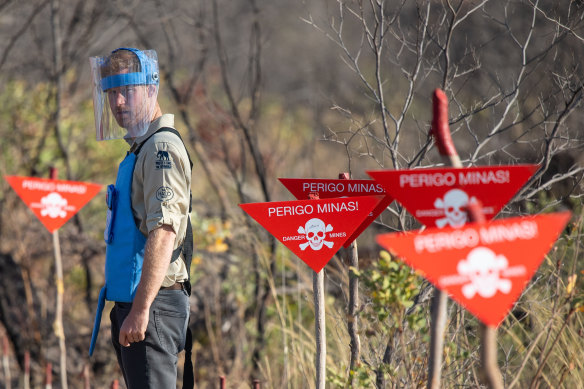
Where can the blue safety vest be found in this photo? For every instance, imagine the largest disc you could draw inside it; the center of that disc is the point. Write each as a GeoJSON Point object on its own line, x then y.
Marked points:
{"type": "Point", "coordinates": [124, 245]}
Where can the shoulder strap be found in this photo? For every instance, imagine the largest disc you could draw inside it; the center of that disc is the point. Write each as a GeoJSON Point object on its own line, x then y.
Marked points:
{"type": "Point", "coordinates": [164, 129]}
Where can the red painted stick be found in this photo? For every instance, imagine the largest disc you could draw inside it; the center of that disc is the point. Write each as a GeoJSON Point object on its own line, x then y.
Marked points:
{"type": "Point", "coordinates": [49, 376]}
{"type": "Point", "coordinates": [441, 130]}
{"type": "Point", "coordinates": [53, 173]}
{"type": "Point", "coordinates": [26, 370]}
{"type": "Point", "coordinates": [475, 212]}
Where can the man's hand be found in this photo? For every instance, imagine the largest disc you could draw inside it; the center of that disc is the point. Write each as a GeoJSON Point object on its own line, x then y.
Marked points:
{"type": "Point", "coordinates": [157, 253]}
{"type": "Point", "coordinates": [133, 328]}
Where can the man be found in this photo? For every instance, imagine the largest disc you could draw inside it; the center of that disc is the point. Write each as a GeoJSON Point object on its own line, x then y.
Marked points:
{"type": "Point", "coordinates": [148, 235]}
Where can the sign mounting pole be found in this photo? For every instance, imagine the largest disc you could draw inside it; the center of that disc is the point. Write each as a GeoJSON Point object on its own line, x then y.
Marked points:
{"type": "Point", "coordinates": [319, 323]}
{"type": "Point", "coordinates": [492, 374]}
{"type": "Point", "coordinates": [58, 323]}
{"type": "Point", "coordinates": [441, 133]}
{"type": "Point", "coordinates": [353, 306]}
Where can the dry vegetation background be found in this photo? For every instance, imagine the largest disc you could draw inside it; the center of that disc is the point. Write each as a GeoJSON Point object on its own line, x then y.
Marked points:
{"type": "Point", "coordinates": [263, 89]}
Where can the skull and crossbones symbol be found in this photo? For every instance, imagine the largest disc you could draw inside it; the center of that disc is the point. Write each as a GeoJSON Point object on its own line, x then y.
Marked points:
{"type": "Point", "coordinates": [454, 202]}
{"type": "Point", "coordinates": [53, 205]}
{"type": "Point", "coordinates": [315, 231]}
{"type": "Point", "coordinates": [483, 268]}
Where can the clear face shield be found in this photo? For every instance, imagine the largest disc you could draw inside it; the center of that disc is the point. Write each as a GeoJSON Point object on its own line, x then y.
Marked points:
{"type": "Point", "coordinates": [125, 89]}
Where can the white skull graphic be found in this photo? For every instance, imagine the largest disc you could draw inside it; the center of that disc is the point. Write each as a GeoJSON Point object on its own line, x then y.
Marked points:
{"type": "Point", "coordinates": [454, 202]}
{"type": "Point", "coordinates": [53, 205]}
{"type": "Point", "coordinates": [483, 268]}
{"type": "Point", "coordinates": [315, 231]}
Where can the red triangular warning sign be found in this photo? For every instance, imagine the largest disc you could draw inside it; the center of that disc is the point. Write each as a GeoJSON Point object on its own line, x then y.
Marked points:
{"type": "Point", "coordinates": [314, 230]}
{"type": "Point", "coordinates": [54, 202]}
{"type": "Point", "coordinates": [302, 188]}
{"type": "Point", "coordinates": [484, 267]}
{"type": "Point", "coordinates": [438, 197]}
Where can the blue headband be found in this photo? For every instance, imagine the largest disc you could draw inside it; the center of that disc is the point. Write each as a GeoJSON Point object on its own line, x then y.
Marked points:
{"type": "Point", "coordinates": [147, 76]}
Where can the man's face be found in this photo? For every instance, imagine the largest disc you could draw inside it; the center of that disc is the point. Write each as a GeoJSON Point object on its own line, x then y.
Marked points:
{"type": "Point", "coordinates": [130, 105]}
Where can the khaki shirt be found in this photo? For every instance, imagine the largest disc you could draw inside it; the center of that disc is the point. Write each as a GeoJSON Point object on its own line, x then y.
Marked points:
{"type": "Point", "coordinates": [161, 188]}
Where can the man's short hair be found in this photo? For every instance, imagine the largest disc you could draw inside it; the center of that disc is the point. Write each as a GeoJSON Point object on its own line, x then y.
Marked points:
{"type": "Point", "coordinates": [120, 61]}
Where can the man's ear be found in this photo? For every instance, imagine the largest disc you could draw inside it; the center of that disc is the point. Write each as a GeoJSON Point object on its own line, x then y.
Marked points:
{"type": "Point", "coordinates": [151, 90]}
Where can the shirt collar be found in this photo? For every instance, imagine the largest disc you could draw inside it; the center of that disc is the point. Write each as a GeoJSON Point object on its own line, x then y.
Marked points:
{"type": "Point", "coordinates": [166, 120]}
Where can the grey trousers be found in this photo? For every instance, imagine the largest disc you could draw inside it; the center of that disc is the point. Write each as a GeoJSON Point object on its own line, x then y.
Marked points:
{"type": "Point", "coordinates": [152, 363]}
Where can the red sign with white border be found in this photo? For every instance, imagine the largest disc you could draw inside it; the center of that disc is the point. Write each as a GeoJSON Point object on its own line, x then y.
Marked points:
{"type": "Point", "coordinates": [53, 202]}
{"type": "Point", "coordinates": [438, 197]}
{"type": "Point", "coordinates": [482, 266]}
{"type": "Point", "coordinates": [314, 230]}
{"type": "Point", "coordinates": [302, 188]}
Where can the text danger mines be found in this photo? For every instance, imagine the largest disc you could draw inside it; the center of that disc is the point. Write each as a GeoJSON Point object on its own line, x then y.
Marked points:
{"type": "Point", "coordinates": [309, 209]}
